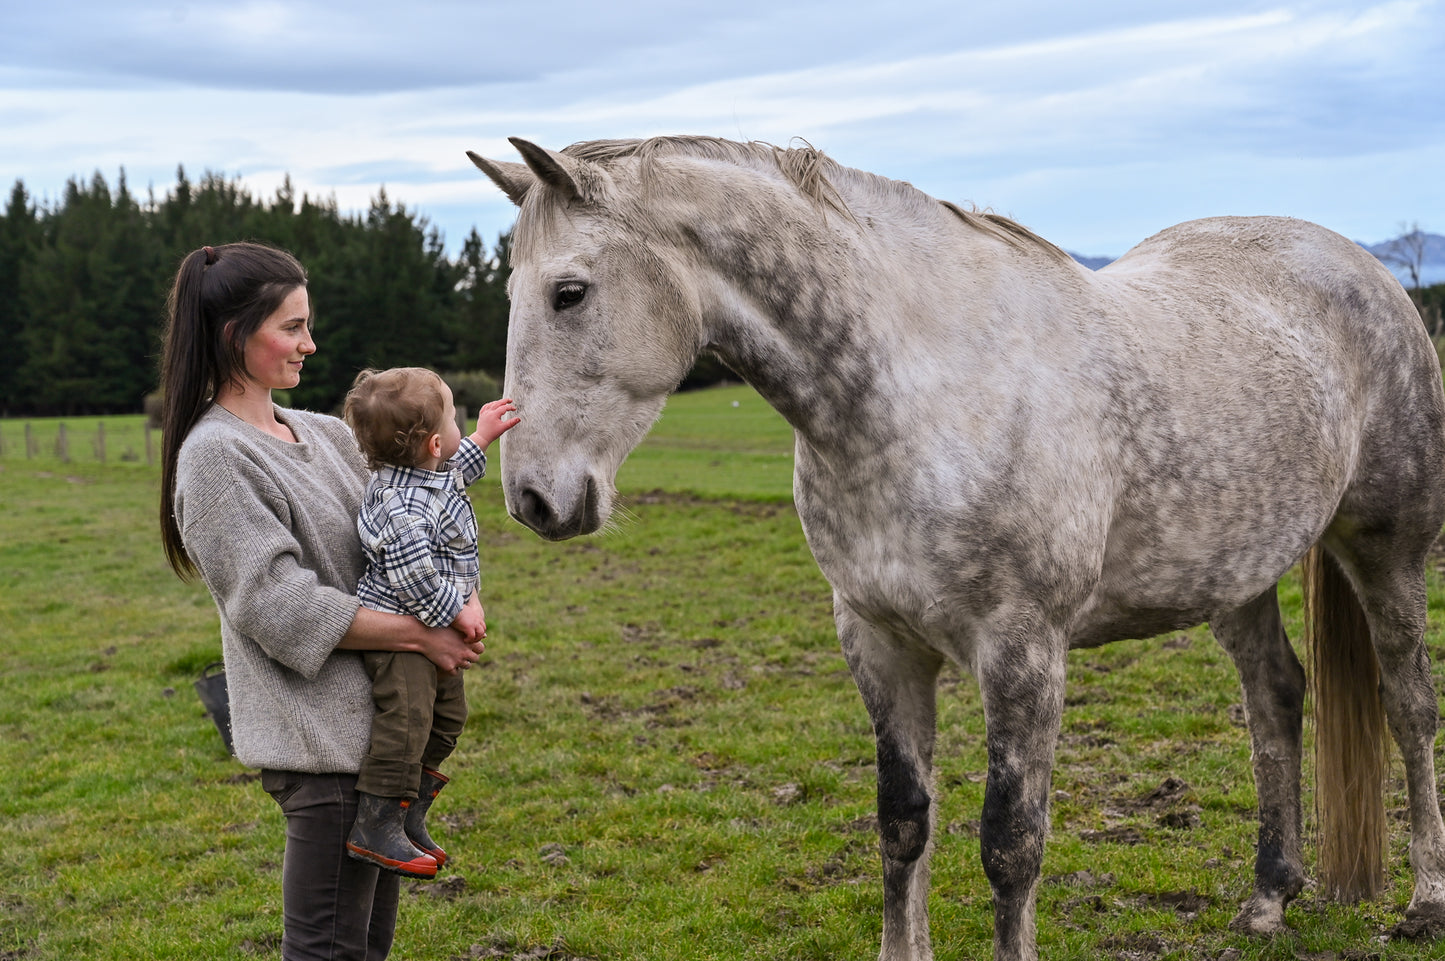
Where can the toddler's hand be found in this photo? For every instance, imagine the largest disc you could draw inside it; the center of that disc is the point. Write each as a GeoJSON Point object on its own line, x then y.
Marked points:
{"type": "Point", "coordinates": [493, 422]}
{"type": "Point", "coordinates": [471, 623]}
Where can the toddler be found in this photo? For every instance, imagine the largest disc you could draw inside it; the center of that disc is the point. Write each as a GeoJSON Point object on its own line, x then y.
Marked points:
{"type": "Point", "coordinates": [420, 537]}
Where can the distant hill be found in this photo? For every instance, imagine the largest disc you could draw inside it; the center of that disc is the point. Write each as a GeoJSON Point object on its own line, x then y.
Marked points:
{"type": "Point", "coordinates": [1432, 265]}
{"type": "Point", "coordinates": [1093, 263]}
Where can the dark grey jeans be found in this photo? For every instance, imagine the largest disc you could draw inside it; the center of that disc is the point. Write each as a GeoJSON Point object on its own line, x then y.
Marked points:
{"type": "Point", "coordinates": [336, 908]}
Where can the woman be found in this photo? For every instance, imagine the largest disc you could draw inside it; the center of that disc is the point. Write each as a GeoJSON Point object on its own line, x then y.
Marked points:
{"type": "Point", "coordinates": [262, 503]}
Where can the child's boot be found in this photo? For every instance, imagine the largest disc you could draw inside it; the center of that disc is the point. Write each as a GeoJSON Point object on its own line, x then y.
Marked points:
{"type": "Point", "coordinates": [379, 837]}
{"type": "Point", "coordinates": [431, 784]}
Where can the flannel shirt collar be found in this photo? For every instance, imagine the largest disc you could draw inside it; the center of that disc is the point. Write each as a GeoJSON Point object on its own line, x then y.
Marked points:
{"type": "Point", "coordinates": [449, 478]}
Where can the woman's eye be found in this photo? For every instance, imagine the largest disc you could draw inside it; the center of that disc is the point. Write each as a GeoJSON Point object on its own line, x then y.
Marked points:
{"type": "Point", "coordinates": [568, 295]}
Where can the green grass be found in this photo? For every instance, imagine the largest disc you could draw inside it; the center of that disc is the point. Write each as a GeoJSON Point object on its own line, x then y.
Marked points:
{"type": "Point", "coordinates": [721, 443]}
{"type": "Point", "coordinates": [666, 757]}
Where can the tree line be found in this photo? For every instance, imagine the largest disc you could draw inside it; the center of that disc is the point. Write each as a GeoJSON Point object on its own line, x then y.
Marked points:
{"type": "Point", "coordinates": [83, 283]}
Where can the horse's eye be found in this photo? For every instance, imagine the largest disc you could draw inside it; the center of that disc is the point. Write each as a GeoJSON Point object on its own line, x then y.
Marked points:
{"type": "Point", "coordinates": [568, 294]}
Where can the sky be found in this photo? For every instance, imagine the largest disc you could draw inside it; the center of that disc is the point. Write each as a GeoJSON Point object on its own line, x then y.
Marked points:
{"type": "Point", "coordinates": [1095, 124]}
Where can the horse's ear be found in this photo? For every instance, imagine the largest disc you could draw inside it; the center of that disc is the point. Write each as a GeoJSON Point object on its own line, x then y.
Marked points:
{"type": "Point", "coordinates": [570, 177]}
{"type": "Point", "coordinates": [514, 179]}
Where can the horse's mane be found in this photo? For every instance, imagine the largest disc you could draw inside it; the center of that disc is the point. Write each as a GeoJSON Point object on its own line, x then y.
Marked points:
{"type": "Point", "coordinates": [802, 166]}
{"type": "Point", "coordinates": [1009, 231]}
{"type": "Point", "coordinates": [809, 170]}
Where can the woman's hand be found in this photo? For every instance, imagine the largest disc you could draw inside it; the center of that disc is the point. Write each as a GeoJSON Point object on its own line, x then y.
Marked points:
{"type": "Point", "coordinates": [379, 631]}
{"type": "Point", "coordinates": [450, 651]}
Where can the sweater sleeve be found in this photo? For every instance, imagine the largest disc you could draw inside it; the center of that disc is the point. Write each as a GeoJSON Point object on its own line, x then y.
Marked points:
{"type": "Point", "coordinates": [236, 527]}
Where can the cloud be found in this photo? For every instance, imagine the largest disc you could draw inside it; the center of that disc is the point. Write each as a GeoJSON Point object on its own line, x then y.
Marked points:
{"type": "Point", "coordinates": [1035, 108]}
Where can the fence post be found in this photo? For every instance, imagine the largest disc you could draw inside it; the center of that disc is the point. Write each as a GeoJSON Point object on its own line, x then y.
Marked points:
{"type": "Point", "coordinates": [29, 442]}
{"type": "Point", "coordinates": [62, 444]}
{"type": "Point", "coordinates": [149, 461]}
{"type": "Point", "coordinates": [100, 441]}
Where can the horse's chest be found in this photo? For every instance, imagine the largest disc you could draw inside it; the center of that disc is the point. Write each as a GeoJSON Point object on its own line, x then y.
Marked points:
{"type": "Point", "coordinates": [855, 546]}
{"type": "Point", "coordinates": [933, 560]}
{"type": "Point", "coordinates": [895, 570]}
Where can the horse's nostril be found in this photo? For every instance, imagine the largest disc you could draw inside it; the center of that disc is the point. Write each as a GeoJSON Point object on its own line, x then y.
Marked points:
{"type": "Point", "coordinates": [589, 502]}
{"type": "Point", "coordinates": [534, 511]}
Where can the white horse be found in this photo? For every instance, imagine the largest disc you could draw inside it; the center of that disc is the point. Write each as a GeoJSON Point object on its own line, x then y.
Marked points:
{"type": "Point", "coordinates": [1002, 455]}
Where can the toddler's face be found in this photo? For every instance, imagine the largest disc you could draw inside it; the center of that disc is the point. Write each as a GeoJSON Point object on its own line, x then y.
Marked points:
{"type": "Point", "coordinates": [449, 432]}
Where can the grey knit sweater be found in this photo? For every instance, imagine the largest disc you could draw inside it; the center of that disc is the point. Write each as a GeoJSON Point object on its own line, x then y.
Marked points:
{"type": "Point", "coordinates": [272, 527]}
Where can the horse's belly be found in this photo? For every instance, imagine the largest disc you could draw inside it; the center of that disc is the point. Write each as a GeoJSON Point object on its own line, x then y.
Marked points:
{"type": "Point", "coordinates": [1096, 627]}
{"type": "Point", "coordinates": [1162, 554]}
{"type": "Point", "coordinates": [1150, 586]}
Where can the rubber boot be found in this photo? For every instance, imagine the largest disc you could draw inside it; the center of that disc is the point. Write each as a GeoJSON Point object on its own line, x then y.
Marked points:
{"type": "Point", "coordinates": [431, 784]}
{"type": "Point", "coordinates": [379, 838]}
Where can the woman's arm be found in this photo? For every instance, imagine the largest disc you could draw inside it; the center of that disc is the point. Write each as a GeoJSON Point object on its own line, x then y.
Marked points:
{"type": "Point", "coordinates": [379, 631]}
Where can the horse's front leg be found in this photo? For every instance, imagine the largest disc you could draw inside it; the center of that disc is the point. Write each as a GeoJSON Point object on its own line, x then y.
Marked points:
{"type": "Point", "coordinates": [1021, 676]}
{"type": "Point", "coordinates": [898, 682]}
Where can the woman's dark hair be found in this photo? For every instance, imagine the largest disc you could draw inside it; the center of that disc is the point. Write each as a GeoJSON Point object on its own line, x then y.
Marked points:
{"type": "Point", "coordinates": [221, 295]}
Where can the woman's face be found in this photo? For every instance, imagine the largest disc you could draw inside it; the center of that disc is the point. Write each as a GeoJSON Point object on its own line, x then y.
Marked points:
{"type": "Point", "coordinates": [275, 353]}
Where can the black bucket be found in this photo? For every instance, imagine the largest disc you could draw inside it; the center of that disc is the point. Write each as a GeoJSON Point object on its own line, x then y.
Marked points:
{"type": "Point", "coordinates": [212, 690]}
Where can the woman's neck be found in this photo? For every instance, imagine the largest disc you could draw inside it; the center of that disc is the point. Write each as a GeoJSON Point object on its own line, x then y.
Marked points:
{"type": "Point", "coordinates": [253, 405]}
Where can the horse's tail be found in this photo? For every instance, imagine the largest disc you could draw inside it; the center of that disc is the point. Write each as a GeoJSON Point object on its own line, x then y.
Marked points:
{"type": "Point", "coordinates": [1351, 737]}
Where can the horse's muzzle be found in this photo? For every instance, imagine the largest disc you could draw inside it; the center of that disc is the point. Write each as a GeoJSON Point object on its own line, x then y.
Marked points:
{"type": "Point", "coordinates": [555, 522]}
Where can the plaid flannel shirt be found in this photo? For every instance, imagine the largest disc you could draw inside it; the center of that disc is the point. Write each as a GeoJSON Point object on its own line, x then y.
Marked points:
{"type": "Point", "coordinates": [419, 533]}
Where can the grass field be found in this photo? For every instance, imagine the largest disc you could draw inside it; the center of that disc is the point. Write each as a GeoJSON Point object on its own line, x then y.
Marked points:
{"type": "Point", "coordinates": [666, 757]}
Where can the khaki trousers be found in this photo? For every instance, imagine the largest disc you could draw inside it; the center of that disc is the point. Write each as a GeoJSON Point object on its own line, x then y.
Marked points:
{"type": "Point", "coordinates": [420, 714]}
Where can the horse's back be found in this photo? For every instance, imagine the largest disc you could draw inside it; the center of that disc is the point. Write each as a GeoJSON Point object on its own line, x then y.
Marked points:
{"type": "Point", "coordinates": [1227, 292]}
{"type": "Point", "coordinates": [1212, 243]}
{"type": "Point", "coordinates": [1298, 289]}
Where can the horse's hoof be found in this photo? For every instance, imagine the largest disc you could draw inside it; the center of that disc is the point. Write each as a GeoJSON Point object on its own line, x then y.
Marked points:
{"type": "Point", "coordinates": [1426, 911]}
{"type": "Point", "coordinates": [1419, 929]}
{"type": "Point", "coordinates": [1260, 918]}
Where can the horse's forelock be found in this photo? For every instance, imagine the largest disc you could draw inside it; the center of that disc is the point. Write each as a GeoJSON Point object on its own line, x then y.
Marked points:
{"type": "Point", "coordinates": [538, 217]}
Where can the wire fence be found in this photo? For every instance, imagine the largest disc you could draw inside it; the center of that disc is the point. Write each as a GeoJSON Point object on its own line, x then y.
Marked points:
{"type": "Point", "coordinates": [116, 439]}
{"type": "Point", "coordinates": [126, 439]}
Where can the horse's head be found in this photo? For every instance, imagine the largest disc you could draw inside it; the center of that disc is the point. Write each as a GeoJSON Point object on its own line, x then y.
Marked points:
{"type": "Point", "coordinates": [602, 328]}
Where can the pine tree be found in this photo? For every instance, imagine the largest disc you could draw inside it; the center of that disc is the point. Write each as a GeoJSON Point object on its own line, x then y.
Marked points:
{"type": "Point", "coordinates": [83, 284]}
{"type": "Point", "coordinates": [482, 307]}
{"type": "Point", "coordinates": [19, 231]}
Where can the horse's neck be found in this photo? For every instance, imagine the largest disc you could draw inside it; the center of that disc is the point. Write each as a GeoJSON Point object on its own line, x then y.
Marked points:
{"type": "Point", "coordinates": [805, 347]}
{"type": "Point", "coordinates": [833, 324]}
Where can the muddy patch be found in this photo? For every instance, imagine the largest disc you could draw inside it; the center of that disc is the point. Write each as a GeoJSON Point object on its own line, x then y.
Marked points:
{"type": "Point", "coordinates": [503, 948]}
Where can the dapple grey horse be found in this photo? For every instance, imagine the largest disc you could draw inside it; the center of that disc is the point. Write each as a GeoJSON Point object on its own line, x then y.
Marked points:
{"type": "Point", "coordinates": [1001, 455]}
